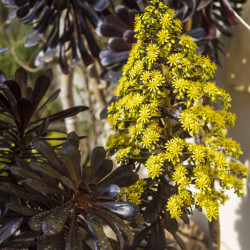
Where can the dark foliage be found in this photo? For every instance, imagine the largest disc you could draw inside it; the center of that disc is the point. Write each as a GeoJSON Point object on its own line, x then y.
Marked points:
{"type": "Point", "coordinates": [202, 20]}
{"type": "Point", "coordinates": [20, 106]}
{"type": "Point", "coordinates": [61, 24]}
{"type": "Point", "coordinates": [57, 204]}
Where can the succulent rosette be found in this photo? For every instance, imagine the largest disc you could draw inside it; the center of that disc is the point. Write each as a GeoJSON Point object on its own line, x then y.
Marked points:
{"type": "Point", "coordinates": [64, 26]}
{"type": "Point", "coordinates": [56, 203]}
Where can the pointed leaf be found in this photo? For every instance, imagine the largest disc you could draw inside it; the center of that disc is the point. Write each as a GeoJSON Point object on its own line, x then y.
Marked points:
{"type": "Point", "coordinates": [35, 223]}
{"type": "Point", "coordinates": [9, 228]}
{"type": "Point", "coordinates": [54, 222]}
{"type": "Point", "coordinates": [123, 209]}
{"type": "Point", "coordinates": [42, 187]}
{"type": "Point", "coordinates": [48, 242]}
{"type": "Point", "coordinates": [103, 169]}
{"type": "Point", "coordinates": [119, 223]}
{"type": "Point", "coordinates": [157, 239]}
{"type": "Point", "coordinates": [22, 193]}
{"type": "Point", "coordinates": [21, 209]}
{"type": "Point", "coordinates": [111, 191]}
{"type": "Point", "coordinates": [51, 98]}
{"type": "Point", "coordinates": [47, 151]}
{"type": "Point", "coordinates": [45, 169]}
{"type": "Point", "coordinates": [150, 214]}
{"type": "Point", "coordinates": [96, 228]}
{"type": "Point", "coordinates": [122, 176]}
{"type": "Point", "coordinates": [170, 224]}
{"type": "Point", "coordinates": [65, 180]}
{"type": "Point", "coordinates": [24, 109]}
{"type": "Point", "coordinates": [97, 155]}
{"type": "Point", "coordinates": [180, 241]}
{"type": "Point", "coordinates": [74, 241]}
{"type": "Point", "coordinates": [21, 77]}
{"type": "Point", "coordinates": [41, 86]}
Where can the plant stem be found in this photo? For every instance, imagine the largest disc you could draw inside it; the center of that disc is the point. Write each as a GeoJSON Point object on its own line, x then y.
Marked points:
{"type": "Point", "coordinates": [214, 234]}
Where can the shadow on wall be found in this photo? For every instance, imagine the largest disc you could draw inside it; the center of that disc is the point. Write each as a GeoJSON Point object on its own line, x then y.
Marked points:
{"type": "Point", "coordinates": [242, 224]}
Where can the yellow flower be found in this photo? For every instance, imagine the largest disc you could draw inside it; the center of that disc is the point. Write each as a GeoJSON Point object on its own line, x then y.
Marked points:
{"type": "Point", "coordinates": [163, 36]}
{"type": "Point", "coordinates": [144, 114]}
{"type": "Point", "coordinates": [152, 52]}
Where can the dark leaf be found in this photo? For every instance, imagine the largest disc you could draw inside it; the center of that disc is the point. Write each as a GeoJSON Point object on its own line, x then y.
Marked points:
{"type": "Point", "coordinates": [185, 218]}
{"type": "Point", "coordinates": [74, 241]}
{"type": "Point", "coordinates": [68, 112]}
{"type": "Point", "coordinates": [42, 129]}
{"type": "Point", "coordinates": [42, 187]}
{"type": "Point", "coordinates": [9, 228]}
{"type": "Point", "coordinates": [65, 180]}
{"type": "Point", "coordinates": [70, 166]}
{"type": "Point", "coordinates": [41, 86]}
{"type": "Point", "coordinates": [21, 241]}
{"type": "Point", "coordinates": [103, 169]}
{"type": "Point", "coordinates": [93, 47]}
{"type": "Point", "coordinates": [111, 191]}
{"type": "Point", "coordinates": [54, 222]}
{"type": "Point", "coordinates": [139, 237]}
{"type": "Point", "coordinates": [22, 193]}
{"type": "Point", "coordinates": [97, 155]}
{"type": "Point", "coordinates": [157, 239]}
{"type": "Point", "coordinates": [14, 88]}
{"type": "Point", "coordinates": [48, 242]}
{"type": "Point", "coordinates": [24, 109]}
{"type": "Point", "coordinates": [118, 44]}
{"type": "Point", "coordinates": [170, 224]}
{"type": "Point", "coordinates": [35, 223]}
{"type": "Point", "coordinates": [45, 169]}
{"type": "Point", "coordinates": [52, 97]}
{"type": "Point", "coordinates": [180, 241]}
{"type": "Point", "coordinates": [122, 176]}
{"type": "Point", "coordinates": [123, 13]}
{"type": "Point", "coordinates": [123, 209]}
{"type": "Point", "coordinates": [47, 151]}
{"type": "Point", "coordinates": [96, 228]}
{"type": "Point", "coordinates": [110, 57]}
{"type": "Point", "coordinates": [150, 214]}
{"type": "Point", "coordinates": [120, 224]}
{"type": "Point", "coordinates": [63, 61]}
{"type": "Point", "coordinates": [128, 36]}
{"type": "Point", "coordinates": [21, 209]}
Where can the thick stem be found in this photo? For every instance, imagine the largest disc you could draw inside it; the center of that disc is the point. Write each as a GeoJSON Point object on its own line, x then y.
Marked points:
{"type": "Point", "coordinates": [214, 234]}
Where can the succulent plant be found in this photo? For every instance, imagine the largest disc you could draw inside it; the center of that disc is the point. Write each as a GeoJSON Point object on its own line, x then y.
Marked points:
{"type": "Point", "coordinates": [20, 106]}
{"type": "Point", "coordinates": [61, 24]}
{"type": "Point", "coordinates": [167, 123]}
{"type": "Point", "coordinates": [57, 203]}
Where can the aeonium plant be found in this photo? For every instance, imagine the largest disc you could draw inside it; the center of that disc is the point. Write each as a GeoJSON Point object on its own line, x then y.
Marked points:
{"type": "Point", "coordinates": [57, 204]}
{"type": "Point", "coordinates": [21, 106]}
{"type": "Point", "coordinates": [171, 119]}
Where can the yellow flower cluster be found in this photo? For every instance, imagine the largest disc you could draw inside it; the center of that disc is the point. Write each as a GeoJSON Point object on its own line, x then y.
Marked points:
{"type": "Point", "coordinates": [166, 97]}
{"type": "Point", "coordinates": [134, 192]}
